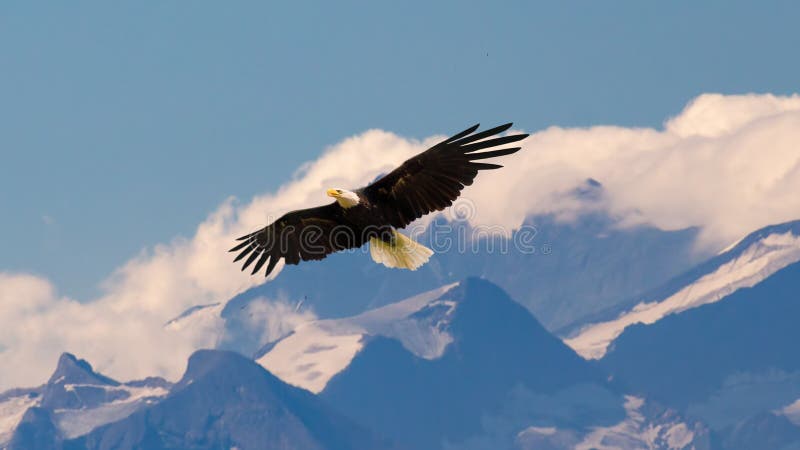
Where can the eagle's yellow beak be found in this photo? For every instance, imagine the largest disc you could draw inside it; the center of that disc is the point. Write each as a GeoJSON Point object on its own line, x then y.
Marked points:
{"type": "Point", "coordinates": [333, 193]}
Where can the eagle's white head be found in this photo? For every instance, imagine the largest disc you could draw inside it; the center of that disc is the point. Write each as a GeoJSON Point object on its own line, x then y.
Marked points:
{"type": "Point", "coordinates": [346, 199]}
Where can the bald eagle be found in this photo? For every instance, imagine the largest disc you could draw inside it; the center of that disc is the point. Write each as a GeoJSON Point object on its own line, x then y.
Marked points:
{"type": "Point", "coordinates": [430, 181]}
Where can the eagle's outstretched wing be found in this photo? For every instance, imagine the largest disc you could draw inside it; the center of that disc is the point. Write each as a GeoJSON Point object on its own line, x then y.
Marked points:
{"type": "Point", "coordinates": [432, 180]}
{"type": "Point", "coordinates": [301, 235]}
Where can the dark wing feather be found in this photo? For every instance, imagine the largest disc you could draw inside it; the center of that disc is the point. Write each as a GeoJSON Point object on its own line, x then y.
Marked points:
{"type": "Point", "coordinates": [302, 235]}
{"type": "Point", "coordinates": [433, 180]}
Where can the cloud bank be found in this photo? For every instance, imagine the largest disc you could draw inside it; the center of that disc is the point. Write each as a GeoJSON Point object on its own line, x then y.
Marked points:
{"type": "Point", "coordinates": [728, 164]}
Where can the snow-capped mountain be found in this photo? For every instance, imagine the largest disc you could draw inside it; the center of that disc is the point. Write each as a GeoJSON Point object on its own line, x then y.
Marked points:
{"type": "Point", "coordinates": [723, 362]}
{"type": "Point", "coordinates": [644, 426]}
{"type": "Point", "coordinates": [465, 367]}
{"type": "Point", "coordinates": [451, 359]}
{"type": "Point", "coordinates": [460, 367]}
{"type": "Point", "coordinates": [711, 365]}
{"type": "Point", "coordinates": [318, 350]}
{"type": "Point", "coordinates": [225, 400]}
{"type": "Point", "coordinates": [75, 400]}
{"type": "Point", "coordinates": [745, 264]}
{"type": "Point", "coordinates": [487, 345]}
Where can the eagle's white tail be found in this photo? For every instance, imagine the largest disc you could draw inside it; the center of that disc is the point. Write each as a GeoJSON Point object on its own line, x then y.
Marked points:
{"type": "Point", "coordinates": [401, 253]}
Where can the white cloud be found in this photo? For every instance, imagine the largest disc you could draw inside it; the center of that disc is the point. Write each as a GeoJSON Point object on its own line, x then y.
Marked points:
{"type": "Point", "coordinates": [122, 333]}
{"type": "Point", "coordinates": [727, 163]}
{"type": "Point", "coordinates": [730, 164]}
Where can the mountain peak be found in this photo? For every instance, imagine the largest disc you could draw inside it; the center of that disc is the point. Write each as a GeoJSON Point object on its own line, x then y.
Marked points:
{"type": "Point", "coordinates": [76, 385]}
{"type": "Point", "coordinates": [72, 370]}
{"type": "Point", "coordinates": [494, 345]}
{"type": "Point", "coordinates": [211, 363]}
{"type": "Point", "coordinates": [427, 325]}
{"type": "Point", "coordinates": [318, 350]}
{"type": "Point", "coordinates": [474, 287]}
{"type": "Point", "coordinates": [229, 401]}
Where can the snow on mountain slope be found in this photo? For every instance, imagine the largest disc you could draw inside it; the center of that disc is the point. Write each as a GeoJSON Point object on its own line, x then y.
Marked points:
{"type": "Point", "coordinates": [77, 422]}
{"type": "Point", "coordinates": [745, 265]}
{"type": "Point", "coordinates": [73, 422]}
{"type": "Point", "coordinates": [637, 432]}
{"type": "Point", "coordinates": [640, 429]}
{"type": "Point", "coordinates": [11, 411]}
{"type": "Point", "coordinates": [318, 350]}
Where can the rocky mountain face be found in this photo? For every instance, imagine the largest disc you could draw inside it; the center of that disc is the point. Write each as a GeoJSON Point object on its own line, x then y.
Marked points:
{"type": "Point", "coordinates": [745, 264]}
{"type": "Point", "coordinates": [732, 364]}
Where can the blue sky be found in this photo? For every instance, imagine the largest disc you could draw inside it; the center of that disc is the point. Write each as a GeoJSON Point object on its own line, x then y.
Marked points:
{"type": "Point", "coordinates": [123, 126]}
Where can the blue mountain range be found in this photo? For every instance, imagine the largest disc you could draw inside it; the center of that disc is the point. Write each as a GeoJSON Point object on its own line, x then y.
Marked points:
{"type": "Point", "coordinates": [465, 366]}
